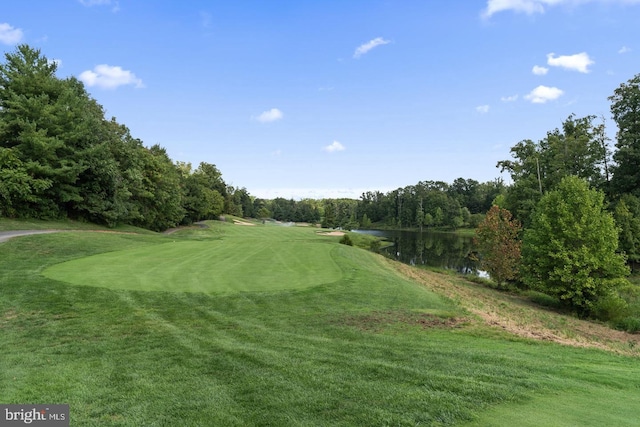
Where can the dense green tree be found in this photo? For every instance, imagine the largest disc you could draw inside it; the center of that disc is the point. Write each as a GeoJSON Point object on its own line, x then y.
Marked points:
{"type": "Point", "coordinates": [41, 121]}
{"type": "Point", "coordinates": [570, 249]}
{"type": "Point", "coordinates": [578, 149]}
{"type": "Point", "coordinates": [428, 220]}
{"type": "Point", "coordinates": [243, 199]}
{"type": "Point", "coordinates": [330, 213]}
{"type": "Point", "coordinates": [627, 216]}
{"type": "Point", "coordinates": [160, 199]}
{"type": "Point", "coordinates": [365, 222]}
{"type": "Point", "coordinates": [438, 217]}
{"type": "Point", "coordinates": [625, 108]}
{"type": "Point", "coordinates": [201, 198]}
{"type": "Point", "coordinates": [498, 240]}
{"type": "Point", "coordinates": [59, 157]}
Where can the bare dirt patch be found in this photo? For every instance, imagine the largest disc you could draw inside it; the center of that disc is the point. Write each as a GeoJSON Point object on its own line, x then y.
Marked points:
{"type": "Point", "coordinates": [332, 233]}
{"type": "Point", "coordinates": [379, 320]}
{"type": "Point", "coordinates": [519, 316]}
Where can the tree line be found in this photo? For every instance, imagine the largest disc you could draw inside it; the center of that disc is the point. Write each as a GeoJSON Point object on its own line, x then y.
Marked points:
{"type": "Point", "coordinates": [569, 225]}
{"type": "Point", "coordinates": [566, 224]}
{"type": "Point", "coordinates": [61, 158]}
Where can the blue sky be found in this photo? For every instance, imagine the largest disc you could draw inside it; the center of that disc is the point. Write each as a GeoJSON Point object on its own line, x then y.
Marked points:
{"type": "Point", "coordinates": [330, 98]}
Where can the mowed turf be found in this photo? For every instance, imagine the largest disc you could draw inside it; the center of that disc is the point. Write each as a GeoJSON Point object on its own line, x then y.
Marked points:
{"type": "Point", "coordinates": [258, 260]}
{"type": "Point", "coordinates": [371, 348]}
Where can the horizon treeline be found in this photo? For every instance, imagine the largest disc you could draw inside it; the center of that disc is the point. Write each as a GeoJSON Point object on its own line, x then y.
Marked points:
{"type": "Point", "coordinates": [60, 157]}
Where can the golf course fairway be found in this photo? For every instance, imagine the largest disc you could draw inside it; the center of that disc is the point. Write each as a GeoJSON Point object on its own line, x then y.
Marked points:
{"type": "Point", "coordinates": [263, 262]}
{"type": "Point", "coordinates": [280, 326]}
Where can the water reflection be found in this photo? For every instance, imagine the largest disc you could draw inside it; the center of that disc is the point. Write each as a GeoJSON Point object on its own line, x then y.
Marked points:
{"type": "Point", "coordinates": [430, 248]}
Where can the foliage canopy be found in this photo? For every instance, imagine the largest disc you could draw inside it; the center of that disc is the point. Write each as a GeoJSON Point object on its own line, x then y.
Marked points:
{"type": "Point", "coordinates": [497, 237]}
{"type": "Point", "coordinates": [570, 249]}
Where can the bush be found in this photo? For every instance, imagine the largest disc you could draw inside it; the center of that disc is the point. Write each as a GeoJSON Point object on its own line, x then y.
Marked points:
{"type": "Point", "coordinates": [630, 324]}
{"type": "Point", "coordinates": [611, 308]}
{"type": "Point", "coordinates": [544, 300]}
{"type": "Point", "coordinates": [346, 240]}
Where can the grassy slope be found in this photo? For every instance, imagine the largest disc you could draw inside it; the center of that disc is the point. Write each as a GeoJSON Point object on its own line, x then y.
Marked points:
{"type": "Point", "coordinates": [370, 348]}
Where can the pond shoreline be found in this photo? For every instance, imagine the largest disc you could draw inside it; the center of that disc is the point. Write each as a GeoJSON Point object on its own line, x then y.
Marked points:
{"type": "Point", "coordinates": [429, 248]}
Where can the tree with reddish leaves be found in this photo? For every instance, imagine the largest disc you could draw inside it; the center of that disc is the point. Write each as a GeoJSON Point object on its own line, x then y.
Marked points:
{"type": "Point", "coordinates": [497, 238]}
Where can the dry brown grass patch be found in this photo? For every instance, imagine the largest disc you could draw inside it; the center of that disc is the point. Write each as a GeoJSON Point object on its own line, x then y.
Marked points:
{"type": "Point", "coordinates": [377, 321]}
{"type": "Point", "coordinates": [519, 316]}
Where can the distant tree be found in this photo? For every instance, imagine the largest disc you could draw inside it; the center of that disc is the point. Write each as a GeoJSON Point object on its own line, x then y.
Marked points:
{"type": "Point", "coordinates": [263, 213]}
{"type": "Point", "coordinates": [498, 240]}
{"type": "Point", "coordinates": [625, 109]}
{"type": "Point", "coordinates": [428, 220]}
{"type": "Point", "coordinates": [438, 218]}
{"type": "Point", "coordinates": [329, 219]}
{"type": "Point", "coordinates": [456, 222]}
{"type": "Point", "coordinates": [202, 200]}
{"type": "Point", "coordinates": [466, 215]}
{"type": "Point", "coordinates": [420, 216]}
{"type": "Point", "coordinates": [365, 222]}
{"type": "Point", "coordinates": [570, 249]}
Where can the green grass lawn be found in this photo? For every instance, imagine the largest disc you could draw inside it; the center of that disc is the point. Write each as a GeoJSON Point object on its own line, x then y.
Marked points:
{"type": "Point", "coordinates": [261, 261]}
{"type": "Point", "coordinates": [273, 326]}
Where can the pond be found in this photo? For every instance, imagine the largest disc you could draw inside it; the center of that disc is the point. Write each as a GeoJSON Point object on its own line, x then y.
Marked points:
{"type": "Point", "coordinates": [430, 248]}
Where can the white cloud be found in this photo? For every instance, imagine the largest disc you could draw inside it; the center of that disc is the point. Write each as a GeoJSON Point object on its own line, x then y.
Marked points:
{"type": "Point", "coordinates": [539, 71]}
{"type": "Point", "coordinates": [527, 6]}
{"type": "Point", "coordinates": [624, 49]}
{"type": "Point", "coordinates": [362, 49]}
{"type": "Point", "coordinates": [537, 6]}
{"type": "Point", "coordinates": [511, 98]}
{"type": "Point", "coordinates": [10, 35]}
{"type": "Point", "coordinates": [270, 116]}
{"type": "Point", "coordinates": [89, 3]}
{"type": "Point", "coordinates": [334, 146]}
{"type": "Point", "coordinates": [109, 77]}
{"type": "Point", "coordinates": [578, 62]}
{"type": "Point", "coordinates": [482, 109]}
{"type": "Point", "coordinates": [542, 94]}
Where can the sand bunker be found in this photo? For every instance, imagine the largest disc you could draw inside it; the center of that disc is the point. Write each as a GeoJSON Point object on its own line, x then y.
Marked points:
{"type": "Point", "coordinates": [333, 233]}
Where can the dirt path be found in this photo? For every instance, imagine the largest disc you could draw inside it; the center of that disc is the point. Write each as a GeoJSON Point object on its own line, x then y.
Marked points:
{"type": "Point", "coordinates": [6, 235]}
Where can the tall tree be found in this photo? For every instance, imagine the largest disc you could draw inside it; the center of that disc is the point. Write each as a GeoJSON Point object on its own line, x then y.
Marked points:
{"type": "Point", "coordinates": [625, 107]}
{"type": "Point", "coordinates": [570, 249]}
{"type": "Point", "coordinates": [577, 149]}
{"type": "Point", "coordinates": [161, 195]}
{"type": "Point", "coordinates": [627, 216]}
{"type": "Point", "coordinates": [38, 122]}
